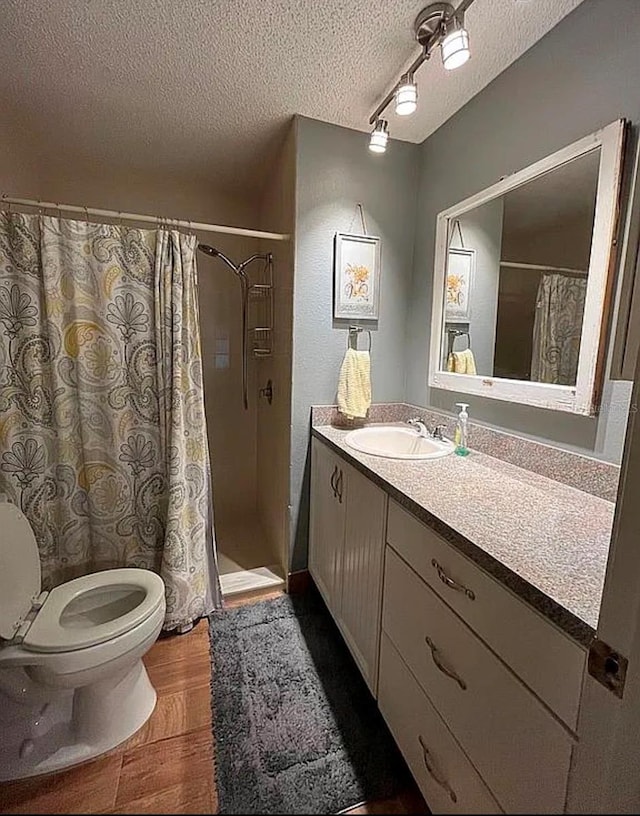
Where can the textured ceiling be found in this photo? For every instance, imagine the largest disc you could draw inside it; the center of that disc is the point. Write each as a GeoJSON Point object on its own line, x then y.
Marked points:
{"type": "Point", "coordinates": [203, 87]}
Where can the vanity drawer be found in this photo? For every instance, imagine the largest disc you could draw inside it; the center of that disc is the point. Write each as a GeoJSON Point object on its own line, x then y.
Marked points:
{"type": "Point", "coordinates": [519, 748]}
{"type": "Point", "coordinates": [549, 662]}
{"type": "Point", "coordinates": [448, 781]}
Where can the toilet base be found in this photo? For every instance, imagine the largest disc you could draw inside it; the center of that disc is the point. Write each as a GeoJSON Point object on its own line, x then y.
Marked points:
{"type": "Point", "coordinates": [73, 726]}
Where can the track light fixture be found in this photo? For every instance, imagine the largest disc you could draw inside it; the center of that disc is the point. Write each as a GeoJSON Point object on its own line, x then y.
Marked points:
{"type": "Point", "coordinates": [455, 46]}
{"type": "Point", "coordinates": [406, 96]}
{"type": "Point", "coordinates": [439, 24]}
{"type": "Point", "coordinates": [379, 136]}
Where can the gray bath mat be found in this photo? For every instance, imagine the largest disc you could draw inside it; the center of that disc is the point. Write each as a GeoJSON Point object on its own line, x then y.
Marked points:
{"type": "Point", "coordinates": [295, 727]}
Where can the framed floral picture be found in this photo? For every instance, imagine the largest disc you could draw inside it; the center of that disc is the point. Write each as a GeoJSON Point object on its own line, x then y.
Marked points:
{"type": "Point", "coordinates": [459, 284]}
{"type": "Point", "coordinates": [356, 276]}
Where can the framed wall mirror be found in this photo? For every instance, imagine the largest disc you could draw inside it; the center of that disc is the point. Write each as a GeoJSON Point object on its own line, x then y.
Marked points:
{"type": "Point", "coordinates": [522, 280]}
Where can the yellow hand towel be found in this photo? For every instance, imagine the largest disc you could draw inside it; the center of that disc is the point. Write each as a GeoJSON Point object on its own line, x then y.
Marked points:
{"type": "Point", "coordinates": [354, 384]}
{"type": "Point", "coordinates": [462, 362]}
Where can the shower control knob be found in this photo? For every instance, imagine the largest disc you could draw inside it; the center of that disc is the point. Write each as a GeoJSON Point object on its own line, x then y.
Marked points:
{"type": "Point", "coordinates": [611, 665]}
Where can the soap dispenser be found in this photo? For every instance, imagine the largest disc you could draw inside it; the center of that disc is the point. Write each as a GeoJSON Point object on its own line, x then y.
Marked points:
{"type": "Point", "coordinates": [460, 436]}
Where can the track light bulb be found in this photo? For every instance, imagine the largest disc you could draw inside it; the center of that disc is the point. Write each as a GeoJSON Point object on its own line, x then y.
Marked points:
{"type": "Point", "coordinates": [406, 96]}
{"type": "Point", "coordinates": [455, 45]}
{"type": "Point", "coordinates": [379, 136]}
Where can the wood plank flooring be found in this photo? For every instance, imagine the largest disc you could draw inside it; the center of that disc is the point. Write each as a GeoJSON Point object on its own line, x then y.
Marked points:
{"type": "Point", "coordinates": [167, 766]}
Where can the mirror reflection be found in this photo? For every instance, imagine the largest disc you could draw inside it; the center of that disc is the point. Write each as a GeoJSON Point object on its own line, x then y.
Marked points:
{"type": "Point", "coordinates": [516, 282]}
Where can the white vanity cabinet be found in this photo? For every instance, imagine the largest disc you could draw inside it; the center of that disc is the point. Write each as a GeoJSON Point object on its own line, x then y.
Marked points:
{"type": "Point", "coordinates": [480, 691]}
{"type": "Point", "coordinates": [548, 662]}
{"type": "Point", "coordinates": [519, 748]}
{"type": "Point", "coordinates": [346, 550]}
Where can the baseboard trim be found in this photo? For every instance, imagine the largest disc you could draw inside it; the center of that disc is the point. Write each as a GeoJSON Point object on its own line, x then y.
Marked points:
{"type": "Point", "coordinates": [299, 582]}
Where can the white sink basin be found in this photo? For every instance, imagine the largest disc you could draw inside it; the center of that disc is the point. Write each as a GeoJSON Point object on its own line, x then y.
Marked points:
{"type": "Point", "coordinates": [397, 442]}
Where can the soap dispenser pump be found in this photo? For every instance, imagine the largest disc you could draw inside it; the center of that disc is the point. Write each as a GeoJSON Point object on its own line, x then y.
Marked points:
{"type": "Point", "coordinates": [460, 437]}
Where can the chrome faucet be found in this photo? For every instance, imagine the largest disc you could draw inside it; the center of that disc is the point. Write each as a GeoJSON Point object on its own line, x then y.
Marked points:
{"type": "Point", "coordinates": [422, 429]}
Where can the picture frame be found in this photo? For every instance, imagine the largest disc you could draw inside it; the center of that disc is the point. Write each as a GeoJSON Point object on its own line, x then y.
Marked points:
{"type": "Point", "coordinates": [460, 269]}
{"type": "Point", "coordinates": [356, 276]}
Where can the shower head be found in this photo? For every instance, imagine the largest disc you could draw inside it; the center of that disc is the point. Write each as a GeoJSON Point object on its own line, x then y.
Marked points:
{"type": "Point", "coordinates": [215, 253]}
{"type": "Point", "coordinates": [208, 250]}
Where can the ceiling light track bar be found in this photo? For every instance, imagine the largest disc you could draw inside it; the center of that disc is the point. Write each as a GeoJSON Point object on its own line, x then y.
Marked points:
{"type": "Point", "coordinates": [427, 37]}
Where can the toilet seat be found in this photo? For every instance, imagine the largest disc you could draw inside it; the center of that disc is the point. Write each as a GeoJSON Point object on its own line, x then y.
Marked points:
{"type": "Point", "coordinates": [93, 609]}
{"type": "Point", "coordinates": [81, 613]}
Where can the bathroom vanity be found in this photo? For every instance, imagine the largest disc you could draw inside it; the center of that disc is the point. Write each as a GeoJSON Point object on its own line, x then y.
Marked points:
{"type": "Point", "coordinates": [469, 588]}
{"type": "Point", "coordinates": [468, 592]}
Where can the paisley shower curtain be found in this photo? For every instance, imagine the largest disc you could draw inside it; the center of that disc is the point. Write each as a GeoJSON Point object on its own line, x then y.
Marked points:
{"type": "Point", "coordinates": [557, 328]}
{"type": "Point", "coordinates": [103, 439]}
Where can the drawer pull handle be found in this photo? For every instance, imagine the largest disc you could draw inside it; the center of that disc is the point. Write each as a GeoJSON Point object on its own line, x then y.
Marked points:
{"type": "Point", "coordinates": [339, 486]}
{"type": "Point", "coordinates": [442, 575]}
{"type": "Point", "coordinates": [435, 654]}
{"type": "Point", "coordinates": [432, 772]}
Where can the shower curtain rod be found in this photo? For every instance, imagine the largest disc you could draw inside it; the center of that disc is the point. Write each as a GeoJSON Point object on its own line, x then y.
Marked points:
{"type": "Point", "coordinates": [150, 219]}
{"type": "Point", "coordinates": [543, 268]}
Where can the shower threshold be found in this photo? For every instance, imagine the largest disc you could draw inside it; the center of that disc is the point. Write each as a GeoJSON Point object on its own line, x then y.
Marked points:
{"type": "Point", "coordinates": [249, 580]}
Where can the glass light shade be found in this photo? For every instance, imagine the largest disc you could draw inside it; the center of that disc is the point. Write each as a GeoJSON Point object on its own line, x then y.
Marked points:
{"type": "Point", "coordinates": [379, 137]}
{"type": "Point", "coordinates": [455, 48]}
{"type": "Point", "coordinates": [406, 98]}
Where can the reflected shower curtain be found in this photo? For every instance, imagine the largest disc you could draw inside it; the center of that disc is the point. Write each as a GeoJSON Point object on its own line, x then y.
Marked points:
{"type": "Point", "coordinates": [557, 328]}
{"type": "Point", "coordinates": [102, 432]}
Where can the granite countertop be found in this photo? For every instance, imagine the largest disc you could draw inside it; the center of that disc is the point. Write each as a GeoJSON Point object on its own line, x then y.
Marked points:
{"type": "Point", "coordinates": [547, 541]}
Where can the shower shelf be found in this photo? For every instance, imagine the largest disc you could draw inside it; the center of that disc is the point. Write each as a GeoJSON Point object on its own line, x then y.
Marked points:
{"type": "Point", "coordinates": [261, 332]}
{"type": "Point", "coordinates": [262, 345]}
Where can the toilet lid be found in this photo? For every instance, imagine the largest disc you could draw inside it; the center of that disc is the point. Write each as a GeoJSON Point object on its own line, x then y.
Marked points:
{"type": "Point", "coordinates": [20, 576]}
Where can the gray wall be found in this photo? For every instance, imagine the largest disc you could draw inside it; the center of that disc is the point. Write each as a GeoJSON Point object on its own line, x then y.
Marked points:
{"type": "Point", "coordinates": [581, 76]}
{"type": "Point", "coordinates": [335, 170]}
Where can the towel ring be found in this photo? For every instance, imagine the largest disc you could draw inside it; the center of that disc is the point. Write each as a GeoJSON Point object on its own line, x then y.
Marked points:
{"type": "Point", "coordinates": [452, 334]}
{"type": "Point", "coordinates": [354, 331]}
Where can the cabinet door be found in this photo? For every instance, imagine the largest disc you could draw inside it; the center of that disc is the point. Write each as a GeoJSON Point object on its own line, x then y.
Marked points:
{"type": "Point", "coordinates": [326, 523]}
{"type": "Point", "coordinates": [361, 568]}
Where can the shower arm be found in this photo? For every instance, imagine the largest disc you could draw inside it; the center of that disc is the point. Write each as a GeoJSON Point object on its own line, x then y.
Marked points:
{"type": "Point", "coordinates": [265, 256]}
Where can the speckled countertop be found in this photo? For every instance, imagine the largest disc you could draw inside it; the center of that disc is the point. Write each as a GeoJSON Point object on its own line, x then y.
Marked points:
{"type": "Point", "coordinates": [546, 541]}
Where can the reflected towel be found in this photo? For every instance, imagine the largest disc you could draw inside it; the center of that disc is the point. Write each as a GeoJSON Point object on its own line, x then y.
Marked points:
{"type": "Point", "coordinates": [354, 384]}
{"type": "Point", "coordinates": [462, 362]}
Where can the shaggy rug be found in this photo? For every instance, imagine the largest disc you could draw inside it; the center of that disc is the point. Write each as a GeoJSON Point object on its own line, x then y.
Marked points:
{"type": "Point", "coordinates": [295, 728]}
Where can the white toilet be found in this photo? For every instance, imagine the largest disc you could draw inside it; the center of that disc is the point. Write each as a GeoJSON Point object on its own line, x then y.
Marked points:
{"type": "Point", "coordinates": [72, 682]}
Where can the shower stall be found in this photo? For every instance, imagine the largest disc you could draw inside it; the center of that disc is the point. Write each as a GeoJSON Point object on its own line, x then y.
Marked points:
{"type": "Point", "coordinates": [243, 401]}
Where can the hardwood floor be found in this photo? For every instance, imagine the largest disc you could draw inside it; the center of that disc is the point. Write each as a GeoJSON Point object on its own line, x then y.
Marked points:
{"type": "Point", "coordinates": [167, 766]}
